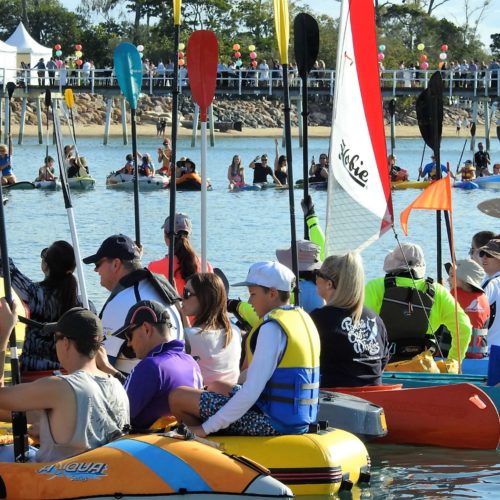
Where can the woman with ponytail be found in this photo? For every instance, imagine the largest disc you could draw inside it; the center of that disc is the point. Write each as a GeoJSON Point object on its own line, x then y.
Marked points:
{"type": "Point", "coordinates": [354, 342]}
{"type": "Point", "coordinates": [186, 260]}
{"type": "Point", "coordinates": [47, 301]}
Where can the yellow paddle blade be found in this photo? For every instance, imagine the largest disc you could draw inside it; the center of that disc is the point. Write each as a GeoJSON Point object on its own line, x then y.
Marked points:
{"type": "Point", "coordinates": [281, 23]}
{"type": "Point", "coordinates": [177, 12]}
{"type": "Point", "coordinates": [68, 97]}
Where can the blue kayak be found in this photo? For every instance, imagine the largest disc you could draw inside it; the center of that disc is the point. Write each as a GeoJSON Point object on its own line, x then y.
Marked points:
{"type": "Point", "coordinates": [466, 185]}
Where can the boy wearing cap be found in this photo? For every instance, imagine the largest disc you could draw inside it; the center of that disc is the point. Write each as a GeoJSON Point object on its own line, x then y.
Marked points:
{"type": "Point", "coordinates": [261, 170]}
{"type": "Point", "coordinates": [468, 171]}
{"type": "Point", "coordinates": [490, 260]}
{"type": "Point", "coordinates": [398, 297]}
{"type": "Point", "coordinates": [77, 412]}
{"type": "Point", "coordinates": [164, 365]}
{"type": "Point", "coordinates": [280, 394]}
{"type": "Point", "coordinates": [468, 276]}
{"type": "Point", "coordinates": [118, 263]}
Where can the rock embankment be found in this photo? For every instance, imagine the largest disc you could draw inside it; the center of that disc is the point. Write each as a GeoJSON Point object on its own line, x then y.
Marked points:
{"type": "Point", "coordinates": [251, 113]}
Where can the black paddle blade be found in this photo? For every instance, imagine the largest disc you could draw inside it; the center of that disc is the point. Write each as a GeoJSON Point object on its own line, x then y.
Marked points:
{"type": "Point", "coordinates": [48, 98]}
{"type": "Point", "coordinates": [473, 129]}
{"type": "Point", "coordinates": [498, 132]}
{"type": "Point", "coordinates": [429, 107]}
{"type": "Point", "coordinates": [306, 42]}
{"type": "Point", "coordinates": [11, 86]}
{"type": "Point", "coordinates": [392, 107]}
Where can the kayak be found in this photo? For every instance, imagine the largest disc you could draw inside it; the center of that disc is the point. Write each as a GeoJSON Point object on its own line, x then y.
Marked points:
{"type": "Point", "coordinates": [270, 185]}
{"type": "Point", "coordinates": [48, 185]}
{"type": "Point", "coordinates": [317, 463]}
{"type": "Point", "coordinates": [318, 185]}
{"type": "Point", "coordinates": [246, 187]}
{"type": "Point", "coordinates": [466, 185]}
{"type": "Point", "coordinates": [489, 182]}
{"type": "Point", "coordinates": [19, 185]}
{"type": "Point", "coordinates": [397, 185]}
{"type": "Point", "coordinates": [81, 183]}
{"type": "Point", "coordinates": [435, 416]}
{"type": "Point", "coordinates": [126, 181]}
{"type": "Point", "coordinates": [142, 466]}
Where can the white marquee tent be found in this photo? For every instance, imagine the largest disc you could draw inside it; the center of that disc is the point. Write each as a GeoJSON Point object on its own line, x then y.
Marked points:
{"type": "Point", "coordinates": [29, 50]}
{"type": "Point", "coordinates": [8, 63]}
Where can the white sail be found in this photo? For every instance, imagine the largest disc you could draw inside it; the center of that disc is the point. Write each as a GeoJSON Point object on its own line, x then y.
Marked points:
{"type": "Point", "coordinates": [359, 206]}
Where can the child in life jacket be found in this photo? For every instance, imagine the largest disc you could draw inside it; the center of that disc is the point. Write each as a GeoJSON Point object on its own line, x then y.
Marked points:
{"type": "Point", "coordinates": [468, 171]}
{"type": "Point", "coordinates": [397, 173]}
{"type": "Point", "coordinates": [128, 168]}
{"type": "Point", "coordinates": [469, 294]}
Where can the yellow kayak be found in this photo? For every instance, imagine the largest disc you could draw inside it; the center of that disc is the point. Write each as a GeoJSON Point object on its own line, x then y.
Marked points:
{"type": "Point", "coordinates": [409, 184]}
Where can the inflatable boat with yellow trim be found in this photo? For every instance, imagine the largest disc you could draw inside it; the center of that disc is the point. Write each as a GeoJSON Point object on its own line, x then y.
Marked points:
{"type": "Point", "coordinates": [319, 463]}
{"type": "Point", "coordinates": [142, 466]}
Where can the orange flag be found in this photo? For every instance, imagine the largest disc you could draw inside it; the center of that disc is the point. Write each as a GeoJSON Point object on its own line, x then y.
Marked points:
{"type": "Point", "coordinates": [435, 197]}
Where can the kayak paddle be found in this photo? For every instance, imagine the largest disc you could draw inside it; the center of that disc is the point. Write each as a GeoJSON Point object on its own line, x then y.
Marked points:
{"type": "Point", "coordinates": [68, 204]}
{"type": "Point", "coordinates": [48, 100]}
{"type": "Point", "coordinates": [281, 23]}
{"type": "Point", "coordinates": [306, 48]}
{"type": "Point", "coordinates": [70, 102]}
{"type": "Point", "coordinates": [472, 134]}
{"type": "Point", "coordinates": [128, 70]}
{"type": "Point", "coordinates": [11, 86]}
{"type": "Point", "coordinates": [203, 55]}
{"type": "Point", "coordinates": [175, 126]}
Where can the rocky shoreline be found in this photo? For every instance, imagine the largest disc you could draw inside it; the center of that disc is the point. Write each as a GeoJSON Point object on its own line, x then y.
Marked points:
{"type": "Point", "coordinates": [261, 113]}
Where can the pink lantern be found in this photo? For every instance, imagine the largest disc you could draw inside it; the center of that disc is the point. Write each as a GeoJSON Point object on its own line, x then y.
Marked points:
{"type": "Point", "coordinates": [423, 58]}
{"type": "Point", "coordinates": [254, 64]}
{"type": "Point", "coordinates": [59, 63]}
{"type": "Point", "coordinates": [78, 46]}
{"type": "Point", "coordinates": [236, 46]}
{"type": "Point", "coordinates": [424, 65]}
{"type": "Point", "coordinates": [57, 46]}
{"type": "Point", "coordinates": [253, 55]}
{"type": "Point", "coordinates": [237, 55]}
{"type": "Point", "coordinates": [180, 54]}
{"type": "Point", "coordinates": [380, 56]}
{"type": "Point", "coordinates": [444, 47]}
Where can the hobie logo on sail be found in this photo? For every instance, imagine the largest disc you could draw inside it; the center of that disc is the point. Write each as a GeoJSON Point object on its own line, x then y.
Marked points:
{"type": "Point", "coordinates": [354, 165]}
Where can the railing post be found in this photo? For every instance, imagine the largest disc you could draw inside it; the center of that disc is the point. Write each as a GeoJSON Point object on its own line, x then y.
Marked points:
{"type": "Point", "coordinates": [394, 82]}
{"type": "Point", "coordinates": [239, 82]}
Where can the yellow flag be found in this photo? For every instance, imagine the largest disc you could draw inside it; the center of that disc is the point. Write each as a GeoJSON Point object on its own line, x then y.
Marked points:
{"type": "Point", "coordinates": [177, 12]}
{"type": "Point", "coordinates": [281, 22]}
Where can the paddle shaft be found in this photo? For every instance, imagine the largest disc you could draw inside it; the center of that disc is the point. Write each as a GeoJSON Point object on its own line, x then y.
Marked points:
{"type": "Point", "coordinates": [421, 162]}
{"type": "Point", "coordinates": [173, 190]}
{"type": "Point", "coordinates": [69, 208]}
{"type": "Point", "coordinates": [288, 144]}
{"type": "Point", "coordinates": [305, 148]}
{"type": "Point", "coordinates": [203, 193]}
{"type": "Point", "coordinates": [136, 178]}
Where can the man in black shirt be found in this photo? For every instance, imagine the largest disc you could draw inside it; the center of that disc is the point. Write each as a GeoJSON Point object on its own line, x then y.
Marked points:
{"type": "Point", "coordinates": [261, 170]}
{"type": "Point", "coordinates": [482, 160]}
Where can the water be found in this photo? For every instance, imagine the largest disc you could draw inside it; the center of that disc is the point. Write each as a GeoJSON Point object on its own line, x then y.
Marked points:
{"type": "Point", "coordinates": [249, 226]}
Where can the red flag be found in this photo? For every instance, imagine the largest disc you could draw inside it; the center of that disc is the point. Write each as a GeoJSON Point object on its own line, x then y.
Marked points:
{"type": "Point", "coordinates": [435, 197]}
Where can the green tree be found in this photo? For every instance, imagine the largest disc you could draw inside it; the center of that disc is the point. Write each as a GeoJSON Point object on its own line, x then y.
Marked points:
{"type": "Point", "coordinates": [495, 45]}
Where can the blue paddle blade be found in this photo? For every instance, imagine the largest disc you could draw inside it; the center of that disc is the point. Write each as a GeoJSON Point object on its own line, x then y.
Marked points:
{"type": "Point", "coordinates": [128, 71]}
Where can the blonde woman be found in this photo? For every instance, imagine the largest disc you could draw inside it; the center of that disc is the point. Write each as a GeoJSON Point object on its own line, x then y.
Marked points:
{"type": "Point", "coordinates": [354, 342]}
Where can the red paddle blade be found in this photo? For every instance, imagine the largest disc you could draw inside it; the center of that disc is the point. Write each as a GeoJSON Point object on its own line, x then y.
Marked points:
{"type": "Point", "coordinates": [202, 58]}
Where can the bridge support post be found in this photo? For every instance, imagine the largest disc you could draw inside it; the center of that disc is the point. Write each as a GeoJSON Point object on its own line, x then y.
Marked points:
{"type": "Point", "coordinates": [123, 105]}
{"type": "Point", "coordinates": [107, 120]}
{"type": "Point", "coordinates": [301, 128]}
{"type": "Point", "coordinates": [474, 120]}
{"type": "Point", "coordinates": [22, 120]}
{"type": "Point", "coordinates": [487, 119]}
{"type": "Point", "coordinates": [39, 119]}
{"type": "Point", "coordinates": [6, 120]}
{"type": "Point", "coordinates": [211, 125]}
{"type": "Point", "coordinates": [196, 116]}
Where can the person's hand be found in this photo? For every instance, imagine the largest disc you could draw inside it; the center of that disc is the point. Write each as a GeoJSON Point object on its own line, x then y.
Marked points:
{"type": "Point", "coordinates": [232, 305]}
{"type": "Point", "coordinates": [8, 320]}
{"type": "Point", "coordinates": [307, 206]}
{"type": "Point", "coordinates": [197, 430]}
{"type": "Point", "coordinates": [276, 141]}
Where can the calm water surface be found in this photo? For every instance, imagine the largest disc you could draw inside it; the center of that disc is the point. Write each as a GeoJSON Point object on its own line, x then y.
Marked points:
{"type": "Point", "coordinates": [249, 226]}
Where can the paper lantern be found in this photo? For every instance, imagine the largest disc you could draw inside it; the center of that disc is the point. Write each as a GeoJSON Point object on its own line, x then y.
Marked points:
{"type": "Point", "coordinates": [381, 48]}
{"type": "Point", "coordinates": [236, 46]}
{"type": "Point", "coordinates": [57, 46]}
{"type": "Point", "coordinates": [58, 53]}
{"type": "Point", "coordinates": [79, 62]}
{"type": "Point", "coordinates": [443, 56]}
{"type": "Point", "coordinates": [78, 53]}
{"type": "Point", "coordinates": [180, 54]}
{"type": "Point", "coordinates": [78, 47]}
{"type": "Point", "coordinates": [444, 47]}
{"type": "Point", "coordinates": [253, 55]}
{"type": "Point", "coordinates": [182, 46]}
{"type": "Point", "coordinates": [423, 58]}
{"type": "Point", "coordinates": [424, 65]}
{"type": "Point", "coordinates": [254, 64]}
{"type": "Point", "coordinates": [380, 56]}
{"type": "Point", "coordinates": [140, 48]}
{"type": "Point", "coordinates": [237, 55]}
{"type": "Point", "coordinates": [181, 62]}
{"type": "Point", "coordinates": [251, 48]}
{"type": "Point", "coordinates": [420, 46]}
{"type": "Point", "coordinates": [238, 63]}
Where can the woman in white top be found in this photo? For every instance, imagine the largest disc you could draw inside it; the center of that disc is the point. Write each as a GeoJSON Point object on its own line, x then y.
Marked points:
{"type": "Point", "coordinates": [213, 341]}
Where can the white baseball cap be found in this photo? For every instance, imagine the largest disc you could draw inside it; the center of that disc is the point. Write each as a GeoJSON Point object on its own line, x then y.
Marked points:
{"type": "Point", "coordinates": [269, 274]}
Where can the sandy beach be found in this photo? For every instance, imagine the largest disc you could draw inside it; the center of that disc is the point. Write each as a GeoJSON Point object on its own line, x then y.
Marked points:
{"type": "Point", "coordinates": [149, 130]}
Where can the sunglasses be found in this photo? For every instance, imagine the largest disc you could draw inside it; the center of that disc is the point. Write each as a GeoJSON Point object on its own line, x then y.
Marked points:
{"type": "Point", "coordinates": [43, 253]}
{"type": "Point", "coordinates": [187, 294]}
{"type": "Point", "coordinates": [99, 263]}
{"type": "Point", "coordinates": [129, 334]}
{"type": "Point", "coordinates": [482, 254]}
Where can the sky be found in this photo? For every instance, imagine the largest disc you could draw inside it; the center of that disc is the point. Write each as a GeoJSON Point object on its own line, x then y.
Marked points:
{"type": "Point", "coordinates": [453, 10]}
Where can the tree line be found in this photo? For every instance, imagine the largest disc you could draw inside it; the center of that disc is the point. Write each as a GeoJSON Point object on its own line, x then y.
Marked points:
{"type": "Point", "coordinates": [402, 27]}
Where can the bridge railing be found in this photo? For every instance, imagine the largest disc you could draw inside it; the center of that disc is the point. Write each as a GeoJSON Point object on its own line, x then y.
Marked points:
{"type": "Point", "coordinates": [249, 81]}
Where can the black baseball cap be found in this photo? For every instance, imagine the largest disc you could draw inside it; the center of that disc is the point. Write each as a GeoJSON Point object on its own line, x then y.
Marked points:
{"type": "Point", "coordinates": [149, 311]}
{"type": "Point", "coordinates": [117, 246]}
{"type": "Point", "coordinates": [78, 324]}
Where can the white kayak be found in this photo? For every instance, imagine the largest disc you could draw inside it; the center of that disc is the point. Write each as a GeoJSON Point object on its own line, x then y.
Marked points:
{"type": "Point", "coordinates": [48, 185]}
{"type": "Point", "coordinates": [126, 181]}
{"type": "Point", "coordinates": [81, 183]}
{"type": "Point", "coordinates": [488, 182]}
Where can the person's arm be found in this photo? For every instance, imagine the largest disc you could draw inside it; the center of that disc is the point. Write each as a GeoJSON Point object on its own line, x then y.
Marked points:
{"type": "Point", "coordinates": [443, 313]}
{"type": "Point", "coordinates": [229, 176]}
{"type": "Point", "coordinates": [316, 234]}
{"type": "Point", "coordinates": [271, 173]}
{"type": "Point", "coordinates": [312, 170]}
{"type": "Point", "coordinates": [268, 350]}
{"type": "Point", "coordinates": [8, 320]}
{"type": "Point", "coordinates": [374, 294]}
{"type": "Point", "coordinates": [253, 162]}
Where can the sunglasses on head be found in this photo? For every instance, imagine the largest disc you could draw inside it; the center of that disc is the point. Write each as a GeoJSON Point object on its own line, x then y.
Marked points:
{"type": "Point", "coordinates": [187, 294]}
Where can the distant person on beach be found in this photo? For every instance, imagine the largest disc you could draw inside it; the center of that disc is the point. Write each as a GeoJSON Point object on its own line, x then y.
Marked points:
{"type": "Point", "coordinates": [40, 67]}
{"type": "Point", "coordinates": [261, 170]}
{"type": "Point", "coordinates": [8, 176]}
{"type": "Point", "coordinates": [482, 160]}
{"type": "Point", "coordinates": [46, 173]}
{"type": "Point", "coordinates": [280, 165]}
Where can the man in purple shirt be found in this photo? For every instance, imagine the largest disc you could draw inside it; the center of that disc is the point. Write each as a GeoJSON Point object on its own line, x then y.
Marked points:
{"type": "Point", "coordinates": [164, 365]}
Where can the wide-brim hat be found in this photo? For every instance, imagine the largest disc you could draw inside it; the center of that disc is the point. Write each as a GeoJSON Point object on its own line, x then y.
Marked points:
{"type": "Point", "coordinates": [468, 271]}
{"type": "Point", "coordinates": [308, 254]}
{"type": "Point", "coordinates": [492, 248]}
{"type": "Point", "coordinates": [188, 160]}
{"type": "Point", "coordinates": [408, 257]}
